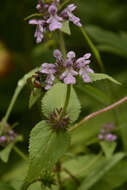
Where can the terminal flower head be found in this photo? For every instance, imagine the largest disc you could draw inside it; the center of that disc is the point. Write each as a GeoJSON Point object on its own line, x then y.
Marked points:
{"type": "Point", "coordinates": [52, 19]}
{"type": "Point", "coordinates": [66, 69]}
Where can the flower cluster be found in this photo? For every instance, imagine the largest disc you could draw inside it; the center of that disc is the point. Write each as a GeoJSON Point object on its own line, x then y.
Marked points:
{"type": "Point", "coordinates": [67, 69]}
{"type": "Point", "coordinates": [8, 136]}
{"type": "Point", "coordinates": [52, 20]}
{"type": "Point", "coordinates": [106, 134]}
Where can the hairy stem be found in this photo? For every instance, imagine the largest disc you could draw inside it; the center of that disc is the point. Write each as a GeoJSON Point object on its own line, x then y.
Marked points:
{"type": "Point", "coordinates": [99, 112]}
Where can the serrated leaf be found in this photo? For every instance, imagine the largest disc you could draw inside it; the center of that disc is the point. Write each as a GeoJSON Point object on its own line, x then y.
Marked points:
{"type": "Point", "coordinates": [66, 28]}
{"type": "Point", "coordinates": [100, 171]}
{"type": "Point", "coordinates": [46, 147]}
{"type": "Point", "coordinates": [4, 154]}
{"type": "Point", "coordinates": [34, 96]}
{"type": "Point", "coordinates": [99, 76]}
{"type": "Point", "coordinates": [55, 98]}
{"type": "Point", "coordinates": [108, 148]}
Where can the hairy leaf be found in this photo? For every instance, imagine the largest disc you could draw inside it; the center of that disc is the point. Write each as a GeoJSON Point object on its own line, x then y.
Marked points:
{"type": "Point", "coordinates": [46, 147]}
{"type": "Point", "coordinates": [55, 98]}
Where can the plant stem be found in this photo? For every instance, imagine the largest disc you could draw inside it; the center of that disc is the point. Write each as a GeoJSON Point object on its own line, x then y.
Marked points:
{"type": "Point", "coordinates": [20, 85]}
{"type": "Point", "coordinates": [93, 49]}
{"type": "Point", "coordinates": [63, 4]}
{"type": "Point", "coordinates": [102, 69]}
{"type": "Point", "coordinates": [14, 98]}
{"type": "Point", "coordinates": [72, 176]}
{"type": "Point", "coordinates": [33, 15]}
{"type": "Point", "coordinates": [20, 153]}
{"type": "Point", "coordinates": [66, 101]}
{"type": "Point", "coordinates": [58, 170]}
{"type": "Point", "coordinates": [99, 112]}
{"type": "Point", "coordinates": [62, 44]}
{"type": "Point", "coordinates": [63, 50]}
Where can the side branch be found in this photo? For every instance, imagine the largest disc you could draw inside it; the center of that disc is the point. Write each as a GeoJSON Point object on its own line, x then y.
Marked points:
{"type": "Point", "coordinates": [99, 112]}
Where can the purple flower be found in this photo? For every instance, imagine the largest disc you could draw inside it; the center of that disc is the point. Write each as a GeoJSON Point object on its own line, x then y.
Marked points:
{"type": "Point", "coordinates": [39, 29]}
{"type": "Point", "coordinates": [41, 6]}
{"type": "Point", "coordinates": [71, 55]}
{"type": "Point", "coordinates": [69, 73]}
{"type": "Point", "coordinates": [84, 69]}
{"type": "Point", "coordinates": [68, 76]}
{"type": "Point", "coordinates": [67, 12]}
{"type": "Point", "coordinates": [3, 139]}
{"type": "Point", "coordinates": [106, 134]}
{"type": "Point", "coordinates": [110, 137]}
{"type": "Point", "coordinates": [57, 54]}
{"type": "Point", "coordinates": [54, 21]}
{"type": "Point", "coordinates": [101, 137]}
{"type": "Point", "coordinates": [50, 70]}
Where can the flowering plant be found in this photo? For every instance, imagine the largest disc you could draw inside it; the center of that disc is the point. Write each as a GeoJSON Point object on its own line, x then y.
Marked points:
{"type": "Point", "coordinates": [51, 157]}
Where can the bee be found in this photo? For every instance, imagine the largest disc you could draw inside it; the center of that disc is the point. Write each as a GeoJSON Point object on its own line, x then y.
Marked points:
{"type": "Point", "coordinates": [37, 80]}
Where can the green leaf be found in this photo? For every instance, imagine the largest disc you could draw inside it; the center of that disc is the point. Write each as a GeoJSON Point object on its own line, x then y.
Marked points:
{"type": "Point", "coordinates": [66, 28]}
{"type": "Point", "coordinates": [34, 96]}
{"type": "Point", "coordinates": [99, 76]}
{"type": "Point", "coordinates": [55, 98]}
{"type": "Point", "coordinates": [5, 187]}
{"type": "Point", "coordinates": [114, 178]}
{"type": "Point", "coordinates": [85, 165]}
{"type": "Point", "coordinates": [4, 154]}
{"type": "Point", "coordinates": [46, 148]}
{"type": "Point", "coordinates": [109, 41]}
{"type": "Point", "coordinates": [93, 92]}
{"type": "Point", "coordinates": [104, 166]}
{"type": "Point", "coordinates": [108, 148]}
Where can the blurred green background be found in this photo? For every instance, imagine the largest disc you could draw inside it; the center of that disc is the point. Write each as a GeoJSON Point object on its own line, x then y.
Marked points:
{"type": "Point", "coordinates": [105, 23]}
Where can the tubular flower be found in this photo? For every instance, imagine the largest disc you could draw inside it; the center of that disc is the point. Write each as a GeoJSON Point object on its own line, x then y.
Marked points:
{"type": "Point", "coordinates": [67, 13]}
{"type": "Point", "coordinates": [39, 29]}
{"type": "Point", "coordinates": [84, 69]}
{"type": "Point", "coordinates": [49, 70]}
{"type": "Point", "coordinates": [54, 21]}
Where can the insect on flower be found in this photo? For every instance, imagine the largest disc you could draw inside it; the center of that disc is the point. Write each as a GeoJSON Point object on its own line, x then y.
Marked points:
{"type": "Point", "coordinates": [37, 80]}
